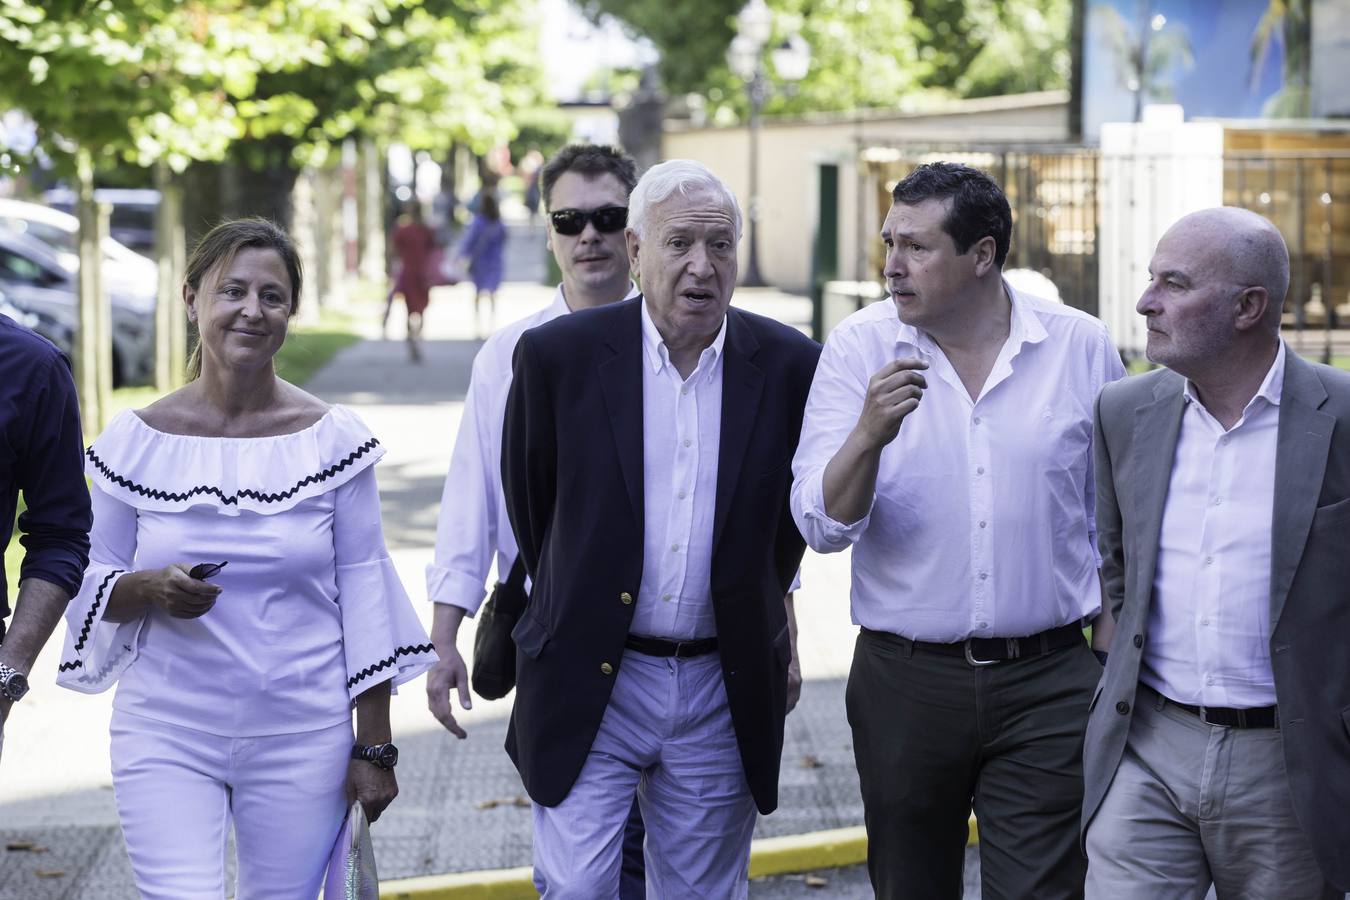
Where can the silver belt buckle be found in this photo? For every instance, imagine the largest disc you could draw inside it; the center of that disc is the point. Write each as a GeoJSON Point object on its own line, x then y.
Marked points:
{"type": "Point", "coordinates": [970, 657]}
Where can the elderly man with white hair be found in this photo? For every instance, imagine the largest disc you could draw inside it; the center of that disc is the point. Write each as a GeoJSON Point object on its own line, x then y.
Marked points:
{"type": "Point", "coordinates": [646, 467]}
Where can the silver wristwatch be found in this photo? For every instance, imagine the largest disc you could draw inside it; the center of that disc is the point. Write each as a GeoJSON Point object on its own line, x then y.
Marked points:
{"type": "Point", "coordinates": [13, 683]}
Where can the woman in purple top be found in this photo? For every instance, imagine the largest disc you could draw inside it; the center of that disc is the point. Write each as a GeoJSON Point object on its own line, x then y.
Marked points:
{"type": "Point", "coordinates": [482, 246]}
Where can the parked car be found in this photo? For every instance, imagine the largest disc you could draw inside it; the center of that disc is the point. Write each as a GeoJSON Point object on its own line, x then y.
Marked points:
{"type": "Point", "coordinates": [133, 213]}
{"type": "Point", "coordinates": [59, 333]}
{"type": "Point", "coordinates": [123, 268]}
{"type": "Point", "coordinates": [33, 279]}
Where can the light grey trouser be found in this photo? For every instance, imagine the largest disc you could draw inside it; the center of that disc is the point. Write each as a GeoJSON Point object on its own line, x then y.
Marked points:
{"type": "Point", "coordinates": [1193, 805]}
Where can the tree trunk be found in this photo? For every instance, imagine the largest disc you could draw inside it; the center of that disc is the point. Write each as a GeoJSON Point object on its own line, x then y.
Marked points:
{"type": "Point", "coordinates": [170, 316]}
{"type": "Point", "coordinates": [93, 346]}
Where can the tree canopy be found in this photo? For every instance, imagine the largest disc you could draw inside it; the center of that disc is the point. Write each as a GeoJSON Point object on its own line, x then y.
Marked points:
{"type": "Point", "coordinates": [864, 53]}
{"type": "Point", "coordinates": [173, 81]}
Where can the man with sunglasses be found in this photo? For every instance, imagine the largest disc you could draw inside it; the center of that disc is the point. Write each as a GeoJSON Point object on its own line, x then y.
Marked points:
{"type": "Point", "coordinates": [645, 463]}
{"type": "Point", "coordinates": [585, 192]}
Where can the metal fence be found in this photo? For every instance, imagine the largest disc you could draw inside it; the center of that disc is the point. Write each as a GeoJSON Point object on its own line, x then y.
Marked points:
{"type": "Point", "coordinates": [1089, 221]}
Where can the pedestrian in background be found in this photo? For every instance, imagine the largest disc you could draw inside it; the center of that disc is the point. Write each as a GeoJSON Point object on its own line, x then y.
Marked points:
{"type": "Point", "coordinates": [482, 246]}
{"type": "Point", "coordinates": [240, 594]}
{"type": "Point", "coordinates": [948, 441]}
{"type": "Point", "coordinates": [41, 454]}
{"type": "Point", "coordinates": [415, 249]}
{"type": "Point", "coordinates": [1217, 749]}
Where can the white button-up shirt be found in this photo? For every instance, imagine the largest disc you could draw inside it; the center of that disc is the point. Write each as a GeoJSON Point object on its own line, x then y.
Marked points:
{"type": "Point", "coordinates": [1209, 623]}
{"type": "Point", "coordinates": [982, 523]}
{"type": "Point", "coordinates": [681, 437]}
{"type": "Point", "coordinates": [472, 524]}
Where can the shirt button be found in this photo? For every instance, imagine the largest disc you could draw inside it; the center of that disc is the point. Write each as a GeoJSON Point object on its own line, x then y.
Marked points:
{"type": "Point", "coordinates": [1209, 679]}
{"type": "Point", "coordinates": [981, 624]}
{"type": "Point", "coordinates": [1218, 501]}
{"type": "Point", "coordinates": [684, 391]}
{"type": "Point", "coordinates": [984, 576]}
{"type": "Point", "coordinates": [1209, 560]}
{"type": "Point", "coordinates": [626, 598]}
{"type": "Point", "coordinates": [982, 523]}
{"type": "Point", "coordinates": [687, 442]}
{"type": "Point", "coordinates": [674, 548]}
{"type": "Point", "coordinates": [682, 495]}
{"type": "Point", "coordinates": [1204, 621]}
{"type": "Point", "coordinates": [1139, 640]}
{"type": "Point", "coordinates": [1122, 707]}
{"type": "Point", "coordinates": [665, 597]}
{"type": "Point", "coordinates": [977, 420]}
{"type": "Point", "coordinates": [980, 470]}
{"type": "Point", "coordinates": [606, 669]}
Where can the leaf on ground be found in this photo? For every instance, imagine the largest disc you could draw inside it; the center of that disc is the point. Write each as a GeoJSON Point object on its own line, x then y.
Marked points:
{"type": "Point", "coordinates": [49, 873]}
{"type": "Point", "coordinates": [519, 800]}
{"type": "Point", "coordinates": [29, 846]}
{"type": "Point", "coordinates": [816, 881]}
{"type": "Point", "coordinates": [811, 762]}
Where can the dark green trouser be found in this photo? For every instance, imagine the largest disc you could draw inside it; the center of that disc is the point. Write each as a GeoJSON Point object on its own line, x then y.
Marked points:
{"type": "Point", "coordinates": [934, 735]}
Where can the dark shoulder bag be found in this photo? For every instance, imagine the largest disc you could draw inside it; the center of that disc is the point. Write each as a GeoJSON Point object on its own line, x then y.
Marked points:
{"type": "Point", "coordinates": [494, 652]}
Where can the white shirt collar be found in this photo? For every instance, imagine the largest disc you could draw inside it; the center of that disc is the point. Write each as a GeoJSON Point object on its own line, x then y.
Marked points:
{"type": "Point", "coordinates": [560, 302]}
{"type": "Point", "coordinates": [658, 357]}
{"type": "Point", "coordinates": [1271, 389]}
{"type": "Point", "coordinates": [1024, 326]}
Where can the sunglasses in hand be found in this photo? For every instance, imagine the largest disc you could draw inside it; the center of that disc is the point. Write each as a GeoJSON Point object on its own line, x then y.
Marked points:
{"type": "Point", "coordinates": [572, 222]}
{"type": "Point", "coordinates": [203, 571]}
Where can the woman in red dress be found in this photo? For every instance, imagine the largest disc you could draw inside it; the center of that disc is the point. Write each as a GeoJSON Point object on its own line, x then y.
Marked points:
{"type": "Point", "coordinates": [414, 244]}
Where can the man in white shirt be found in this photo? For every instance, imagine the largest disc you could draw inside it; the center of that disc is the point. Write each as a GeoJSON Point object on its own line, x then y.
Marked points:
{"type": "Point", "coordinates": [1217, 749]}
{"type": "Point", "coordinates": [948, 440]}
{"type": "Point", "coordinates": [645, 464]}
{"type": "Point", "coordinates": [585, 190]}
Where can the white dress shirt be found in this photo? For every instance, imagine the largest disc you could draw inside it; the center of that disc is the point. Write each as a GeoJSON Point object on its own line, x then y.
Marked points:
{"type": "Point", "coordinates": [1209, 623]}
{"type": "Point", "coordinates": [472, 523]}
{"type": "Point", "coordinates": [982, 520]}
{"type": "Point", "coordinates": [681, 437]}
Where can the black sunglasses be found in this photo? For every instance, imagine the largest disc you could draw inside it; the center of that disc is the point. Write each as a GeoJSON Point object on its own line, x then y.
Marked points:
{"type": "Point", "coordinates": [203, 571]}
{"type": "Point", "coordinates": [606, 219]}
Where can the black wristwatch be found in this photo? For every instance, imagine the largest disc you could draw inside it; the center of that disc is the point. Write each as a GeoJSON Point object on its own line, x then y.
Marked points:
{"type": "Point", "coordinates": [383, 755]}
{"type": "Point", "coordinates": [13, 684]}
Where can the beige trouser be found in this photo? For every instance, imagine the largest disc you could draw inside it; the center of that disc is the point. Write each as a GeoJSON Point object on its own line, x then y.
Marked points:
{"type": "Point", "coordinates": [1194, 805]}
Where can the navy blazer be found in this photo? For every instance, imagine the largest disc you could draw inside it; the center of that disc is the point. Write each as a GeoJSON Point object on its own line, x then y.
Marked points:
{"type": "Point", "coordinates": [572, 472]}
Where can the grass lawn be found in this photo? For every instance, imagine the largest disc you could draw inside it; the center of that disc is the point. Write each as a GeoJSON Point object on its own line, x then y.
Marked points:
{"type": "Point", "coordinates": [306, 350]}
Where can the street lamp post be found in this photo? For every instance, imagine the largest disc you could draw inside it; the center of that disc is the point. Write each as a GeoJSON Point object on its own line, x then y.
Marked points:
{"type": "Point", "coordinates": [791, 59]}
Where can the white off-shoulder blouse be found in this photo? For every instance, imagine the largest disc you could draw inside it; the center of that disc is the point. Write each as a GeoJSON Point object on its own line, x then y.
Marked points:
{"type": "Point", "coordinates": [311, 612]}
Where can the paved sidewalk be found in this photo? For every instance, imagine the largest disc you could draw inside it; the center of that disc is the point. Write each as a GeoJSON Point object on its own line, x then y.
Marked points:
{"type": "Point", "coordinates": [461, 805]}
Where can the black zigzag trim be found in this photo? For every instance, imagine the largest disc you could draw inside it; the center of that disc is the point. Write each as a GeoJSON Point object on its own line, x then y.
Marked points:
{"type": "Point", "coordinates": [389, 661]}
{"type": "Point", "coordinates": [70, 666]}
{"type": "Point", "coordinates": [89, 616]}
{"type": "Point", "coordinates": [261, 497]}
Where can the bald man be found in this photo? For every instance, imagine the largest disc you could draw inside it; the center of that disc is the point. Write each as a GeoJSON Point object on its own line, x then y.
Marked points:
{"type": "Point", "coordinates": [1218, 743]}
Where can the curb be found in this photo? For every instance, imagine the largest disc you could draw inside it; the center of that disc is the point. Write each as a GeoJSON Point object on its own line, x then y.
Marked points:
{"type": "Point", "coordinates": [768, 856]}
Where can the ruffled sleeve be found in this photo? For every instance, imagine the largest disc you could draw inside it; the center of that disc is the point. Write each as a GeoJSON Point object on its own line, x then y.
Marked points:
{"type": "Point", "coordinates": [96, 651]}
{"type": "Point", "coordinates": [382, 638]}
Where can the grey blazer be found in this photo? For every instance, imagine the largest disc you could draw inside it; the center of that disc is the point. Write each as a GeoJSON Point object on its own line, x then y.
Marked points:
{"type": "Point", "coordinates": [1138, 420]}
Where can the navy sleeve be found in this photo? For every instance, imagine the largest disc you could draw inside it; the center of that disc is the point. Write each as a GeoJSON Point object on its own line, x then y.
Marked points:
{"type": "Point", "coordinates": [50, 472]}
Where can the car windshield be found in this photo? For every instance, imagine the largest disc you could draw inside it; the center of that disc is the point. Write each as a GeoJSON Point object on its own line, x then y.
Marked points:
{"type": "Point", "coordinates": [51, 235]}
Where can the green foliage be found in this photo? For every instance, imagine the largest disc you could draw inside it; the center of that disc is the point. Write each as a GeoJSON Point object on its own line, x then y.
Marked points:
{"type": "Point", "coordinates": [146, 81]}
{"type": "Point", "coordinates": [864, 53]}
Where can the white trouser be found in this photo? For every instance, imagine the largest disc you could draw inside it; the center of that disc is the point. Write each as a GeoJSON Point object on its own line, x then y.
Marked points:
{"type": "Point", "coordinates": [179, 789]}
{"type": "Point", "coordinates": [666, 735]}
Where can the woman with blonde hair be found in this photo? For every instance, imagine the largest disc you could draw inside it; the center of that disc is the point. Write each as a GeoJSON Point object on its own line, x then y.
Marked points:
{"type": "Point", "coordinates": [240, 594]}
